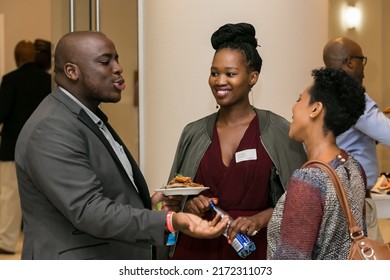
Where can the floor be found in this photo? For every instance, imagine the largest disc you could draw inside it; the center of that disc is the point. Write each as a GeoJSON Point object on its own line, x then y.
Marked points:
{"type": "Point", "coordinates": [384, 225]}
{"type": "Point", "coordinates": [15, 256]}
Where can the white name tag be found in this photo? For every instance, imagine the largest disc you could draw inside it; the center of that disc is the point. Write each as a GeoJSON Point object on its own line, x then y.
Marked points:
{"type": "Point", "coordinates": [245, 155]}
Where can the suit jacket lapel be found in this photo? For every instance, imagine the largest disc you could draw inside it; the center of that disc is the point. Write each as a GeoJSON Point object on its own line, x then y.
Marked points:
{"type": "Point", "coordinates": [83, 117]}
{"type": "Point", "coordinates": [139, 179]}
{"type": "Point", "coordinates": [137, 174]}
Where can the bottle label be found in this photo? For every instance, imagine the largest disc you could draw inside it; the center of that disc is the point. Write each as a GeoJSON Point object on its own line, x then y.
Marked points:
{"type": "Point", "coordinates": [243, 245]}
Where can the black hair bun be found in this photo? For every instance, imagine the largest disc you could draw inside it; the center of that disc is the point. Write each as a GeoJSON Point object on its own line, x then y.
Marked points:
{"type": "Point", "coordinates": [237, 33]}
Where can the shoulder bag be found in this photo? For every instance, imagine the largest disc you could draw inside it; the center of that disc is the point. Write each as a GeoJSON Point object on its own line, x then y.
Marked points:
{"type": "Point", "coordinates": [362, 247]}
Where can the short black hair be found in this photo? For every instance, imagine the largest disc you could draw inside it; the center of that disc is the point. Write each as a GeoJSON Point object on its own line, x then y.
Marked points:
{"type": "Point", "coordinates": [239, 36]}
{"type": "Point", "coordinates": [342, 97]}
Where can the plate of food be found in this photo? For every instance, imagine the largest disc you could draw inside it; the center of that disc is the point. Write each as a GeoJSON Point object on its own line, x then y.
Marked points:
{"type": "Point", "coordinates": [182, 185]}
{"type": "Point", "coordinates": [382, 185]}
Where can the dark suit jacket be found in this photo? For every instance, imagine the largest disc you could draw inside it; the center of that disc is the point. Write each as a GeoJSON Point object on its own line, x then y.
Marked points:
{"type": "Point", "coordinates": [21, 91]}
{"type": "Point", "coordinates": [77, 200]}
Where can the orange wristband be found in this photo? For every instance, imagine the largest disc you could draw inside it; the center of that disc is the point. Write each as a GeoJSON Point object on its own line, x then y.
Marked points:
{"type": "Point", "coordinates": [168, 222]}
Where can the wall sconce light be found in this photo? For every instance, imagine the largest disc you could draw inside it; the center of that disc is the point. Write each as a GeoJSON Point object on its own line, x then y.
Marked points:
{"type": "Point", "coordinates": [352, 17]}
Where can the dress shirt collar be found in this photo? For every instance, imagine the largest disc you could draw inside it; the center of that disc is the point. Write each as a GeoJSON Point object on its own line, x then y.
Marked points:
{"type": "Point", "coordinates": [92, 115]}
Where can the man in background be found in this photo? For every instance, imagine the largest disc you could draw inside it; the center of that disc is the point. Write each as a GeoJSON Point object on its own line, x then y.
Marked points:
{"type": "Point", "coordinates": [372, 127]}
{"type": "Point", "coordinates": [21, 91]}
{"type": "Point", "coordinates": [43, 54]}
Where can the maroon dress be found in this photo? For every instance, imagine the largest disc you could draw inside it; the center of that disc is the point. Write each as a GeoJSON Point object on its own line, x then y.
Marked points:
{"type": "Point", "coordinates": [242, 189]}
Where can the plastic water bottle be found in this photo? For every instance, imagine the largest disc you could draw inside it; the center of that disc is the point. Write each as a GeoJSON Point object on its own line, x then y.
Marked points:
{"type": "Point", "coordinates": [243, 245]}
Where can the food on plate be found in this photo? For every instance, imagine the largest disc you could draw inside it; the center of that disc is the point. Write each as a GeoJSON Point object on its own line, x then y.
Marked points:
{"type": "Point", "coordinates": [386, 110]}
{"type": "Point", "coordinates": [384, 186]}
{"type": "Point", "coordinates": [180, 181]}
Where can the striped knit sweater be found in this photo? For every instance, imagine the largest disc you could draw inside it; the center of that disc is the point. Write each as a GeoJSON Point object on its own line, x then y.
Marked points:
{"type": "Point", "coordinates": [308, 222]}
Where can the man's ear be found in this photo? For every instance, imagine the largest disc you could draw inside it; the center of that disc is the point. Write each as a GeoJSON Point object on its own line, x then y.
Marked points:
{"type": "Point", "coordinates": [348, 64]}
{"type": "Point", "coordinates": [72, 71]}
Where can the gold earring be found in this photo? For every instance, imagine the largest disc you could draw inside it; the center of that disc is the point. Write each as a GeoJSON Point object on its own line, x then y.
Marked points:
{"type": "Point", "coordinates": [311, 116]}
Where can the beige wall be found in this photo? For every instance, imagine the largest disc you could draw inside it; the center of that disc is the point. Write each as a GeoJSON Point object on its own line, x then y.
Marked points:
{"type": "Point", "coordinates": [23, 20]}
{"type": "Point", "coordinates": [176, 55]}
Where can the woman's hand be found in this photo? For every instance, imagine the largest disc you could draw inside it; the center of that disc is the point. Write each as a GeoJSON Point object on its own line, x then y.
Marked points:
{"type": "Point", "coordinates": [199, 205]}
{"type": "Point", "coordinates": [195, 226]}
{"type": "Point", "coordinates": [249, 225]}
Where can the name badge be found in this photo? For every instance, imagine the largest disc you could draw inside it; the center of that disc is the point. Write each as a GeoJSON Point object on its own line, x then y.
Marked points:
{"type": "Point", "coordinates": [245, 155]}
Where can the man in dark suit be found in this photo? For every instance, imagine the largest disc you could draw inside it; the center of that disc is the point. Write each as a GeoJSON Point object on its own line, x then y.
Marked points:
{"type": "Point", "coordinates": [21, 91]}
{"type": "Point", "coordinates": [82, 194]}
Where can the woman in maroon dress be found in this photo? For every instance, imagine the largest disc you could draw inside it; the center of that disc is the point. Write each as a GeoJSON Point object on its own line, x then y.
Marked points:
{"type": "Point", "coordinates": [234, 151]}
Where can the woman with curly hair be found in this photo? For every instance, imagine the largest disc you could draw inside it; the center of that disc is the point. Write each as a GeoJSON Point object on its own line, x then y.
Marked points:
{"type": "Point", "coordinates": [308, 221]}
{"type": "Point", "coordinates": [237, 152]}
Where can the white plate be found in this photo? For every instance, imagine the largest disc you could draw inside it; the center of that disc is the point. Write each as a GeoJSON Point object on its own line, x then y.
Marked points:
{"type": "Point", "coordinates": [182, 191]}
